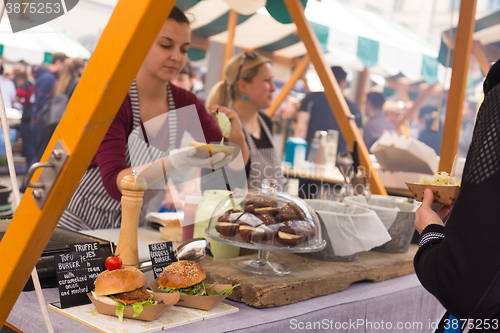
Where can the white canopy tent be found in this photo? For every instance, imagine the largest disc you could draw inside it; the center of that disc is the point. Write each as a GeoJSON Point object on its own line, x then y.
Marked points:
{"type": "Point", "coordinates": [34, 46]}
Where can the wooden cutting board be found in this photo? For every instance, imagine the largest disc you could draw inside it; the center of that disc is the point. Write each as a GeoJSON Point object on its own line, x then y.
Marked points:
{"type": "Point", "coordinates": [307, 281]}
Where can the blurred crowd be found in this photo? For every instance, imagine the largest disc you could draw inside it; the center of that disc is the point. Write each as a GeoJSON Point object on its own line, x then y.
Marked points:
{"type": "Point", "coordinates": [303, 117]}
{"type": "Point", "coordinates": [38, 92]}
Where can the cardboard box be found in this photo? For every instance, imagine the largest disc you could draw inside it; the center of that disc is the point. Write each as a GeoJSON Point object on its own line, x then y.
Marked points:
{"type": "Point", "coordinates": [403, 160]}
{"type": "Point", "coordinates": [195, 302]}
{"type": "Point", "coordinates": [149, 313]}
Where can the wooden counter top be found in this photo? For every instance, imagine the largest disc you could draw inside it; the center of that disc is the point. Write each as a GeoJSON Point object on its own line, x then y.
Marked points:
{"type": "Point", "coordinates": [307, 281]}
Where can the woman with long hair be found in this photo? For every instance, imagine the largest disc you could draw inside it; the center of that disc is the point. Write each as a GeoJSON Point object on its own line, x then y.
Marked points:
{"type": "Point", "coordinates": [248, 88]}
{"type": "Point", "coordinates": [66, 83]}
{"type": "Point", "coordinates": [158, 113]}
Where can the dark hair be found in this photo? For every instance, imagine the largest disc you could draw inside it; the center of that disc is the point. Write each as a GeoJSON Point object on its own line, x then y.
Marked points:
{"type": "Point", "coordinates": [58, 56]}
{"type": "Point", "coordinates": [375, 99]}
{"type": "Point", "coordinates": [339, 73]}
{"type": "Point", "coordinates": [178, 15]}
{"type": "Point", "coordinates": [187, 69]}
{"type": "Point", "coordinates": [1, 69]}
{"type": "Point", "coordinates": [492, 78]}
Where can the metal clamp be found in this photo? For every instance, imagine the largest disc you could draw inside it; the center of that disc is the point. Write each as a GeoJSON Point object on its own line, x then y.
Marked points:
{"type": "Point", "coordinates": [49, 175]}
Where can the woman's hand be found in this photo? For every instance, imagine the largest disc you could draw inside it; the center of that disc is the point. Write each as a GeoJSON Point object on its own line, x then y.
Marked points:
{"type": "Point", "coordinates": [236, 136]}
{"type": "Point", "coordinates": [425, 215]}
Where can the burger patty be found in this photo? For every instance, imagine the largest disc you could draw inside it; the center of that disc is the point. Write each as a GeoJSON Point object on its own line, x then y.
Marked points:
{"type": "Point", "coordinates": [138, 295]}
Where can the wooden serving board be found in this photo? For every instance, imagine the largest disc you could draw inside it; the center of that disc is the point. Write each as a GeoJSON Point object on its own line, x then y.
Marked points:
{"type": "Point", "coordinates": [306, 281]}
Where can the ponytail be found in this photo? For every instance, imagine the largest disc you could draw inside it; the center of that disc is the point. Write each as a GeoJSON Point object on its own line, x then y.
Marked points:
{"type": "Point", "coordinates": [219, 94]}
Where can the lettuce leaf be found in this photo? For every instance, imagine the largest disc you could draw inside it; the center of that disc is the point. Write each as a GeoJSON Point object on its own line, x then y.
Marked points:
{"type": "Point", "coordinates": [199, 289]}
{"type": "Point", "coordinates": [138, 307]}
{"type": "Point", "coordinates": [119, 311]}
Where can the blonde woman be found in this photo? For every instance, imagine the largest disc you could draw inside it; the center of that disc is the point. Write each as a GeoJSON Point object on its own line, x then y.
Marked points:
{"type": "Point", "coordinates": [248, 89]}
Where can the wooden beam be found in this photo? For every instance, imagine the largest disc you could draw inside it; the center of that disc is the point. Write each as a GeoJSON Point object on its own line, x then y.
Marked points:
{"type": "Point", "coordinates": [231, 28]}
{"type": "Point", "coordinates": [289, 62]}
{"type": "Point", "coordinates": [361, 91]}
{"type": "Point", "coordinates": [410, 88]}
{"type": "Point", "coordinates": [199, 42]}
{"type": "Point", "coordinates": [416, 105]}
{"type": "Point", "coordinates": [461, 57]}
{"type": "Point", "coordinates": [306, 85]}
{"type": "Point", "coordinates": [478, 53]}
{"type": "Point", "coordinates": [301, 67]}
{"type": "Point", "coordinates": [88, 116]}
{"type": "Point", "coordinates": [333, 94]}
{"type": "Point", "coordinates": [402, 91]}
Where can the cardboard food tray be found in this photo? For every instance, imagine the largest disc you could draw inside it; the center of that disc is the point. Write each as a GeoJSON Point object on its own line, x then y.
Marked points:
{"type": "Point", "coordinates": [195, 302]}
{"type": "Point", "coordinates": [444, 195]}
{"type": "Point", "coordinates": [403, 160]}
{"type": "Point", "coordinates": [149, 313]}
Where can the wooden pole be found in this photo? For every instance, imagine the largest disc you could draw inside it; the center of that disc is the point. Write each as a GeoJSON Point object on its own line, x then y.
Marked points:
{"type": "Point", "coordinates": [301, 67]}
{"type": "Point", "coordinates": [89, 113]}
{"type": "Point", "coordinates": [416, 105]}
{"type": "Point", "coordinates": [333, 94]}
{"type": "Point", "coordinates": [231, 28]}
{"type": "Point", "coordinates": [306, 85]}
{"type": "Point", "coordinates": [402, 91]}
{"type": "Point", "coordinates": [361, 91]}
{"type": "Point", "coordinates": [477, 51]}
{"type": "Point", "coordinates": [456, 95]}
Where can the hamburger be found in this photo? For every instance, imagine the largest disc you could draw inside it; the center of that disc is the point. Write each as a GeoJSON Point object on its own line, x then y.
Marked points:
{"type": "Point", "coordinates": [123, 287]}
{"type": "Point", "coordinates": [186, 277]}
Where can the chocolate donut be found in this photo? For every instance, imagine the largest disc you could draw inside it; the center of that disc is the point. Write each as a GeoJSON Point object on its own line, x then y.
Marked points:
{"type": "Point", "coordinates": [250, 234]}
{"type": "Point", "coordinates": [227, 229]}
{"type": "Point", "coordinates": [288, 236]}
{"type": "Point", "coordinates": [291, 211]}
{"type": "Point", "coordinates": [228, 216]}
{"type": "Point", "coordinates": [269, 232]}
{"type": "Point", "coordinates": [260, 202]}
{"type": "Point", "coordinates": [266, 210]}
{"type": "Point", "coordinates": [268, 219]}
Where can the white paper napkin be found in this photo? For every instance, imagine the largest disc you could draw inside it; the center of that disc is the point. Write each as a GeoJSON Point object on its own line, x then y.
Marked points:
{"type": "Point", "coordinates": [351, 228]}
{"type": "Point", "coordinates": [386, 214]}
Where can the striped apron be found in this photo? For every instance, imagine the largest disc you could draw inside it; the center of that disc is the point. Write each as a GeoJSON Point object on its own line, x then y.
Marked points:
{"type": "Point", "coordinates": [264, 162]}
{"type": "Point", "coordinates": [91, 207]}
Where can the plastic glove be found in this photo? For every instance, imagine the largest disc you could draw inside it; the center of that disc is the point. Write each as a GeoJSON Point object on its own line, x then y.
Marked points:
{"type": "Point", "coordinates": [180, 158]}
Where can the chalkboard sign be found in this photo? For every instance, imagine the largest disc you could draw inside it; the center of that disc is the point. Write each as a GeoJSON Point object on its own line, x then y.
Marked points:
{"type": "Point", "coordinates": [162, 255]}
{"type": "Point", "coordinates": [76, 273]}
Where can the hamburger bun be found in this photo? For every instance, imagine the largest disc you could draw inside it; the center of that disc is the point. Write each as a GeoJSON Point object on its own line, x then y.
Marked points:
{"type": "Point", "coordinates": [181, 274]}
{"type": "Point", "coordinates": [206, 150]}
{"type": "Point", "coordinates": [119, 281]}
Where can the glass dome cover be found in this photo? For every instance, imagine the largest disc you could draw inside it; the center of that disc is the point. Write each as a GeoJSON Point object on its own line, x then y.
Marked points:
{"type": "Point", "coordinates": [266, 220]}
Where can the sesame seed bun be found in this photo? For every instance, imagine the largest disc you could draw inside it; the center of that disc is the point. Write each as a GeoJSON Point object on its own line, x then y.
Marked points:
{"type": "Point", "coordinates": [119, 281]}
{"type": "Point", "coordinates": [181, 274]}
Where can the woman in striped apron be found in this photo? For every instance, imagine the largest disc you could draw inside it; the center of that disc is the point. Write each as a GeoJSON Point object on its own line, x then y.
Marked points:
{"type": "Point", "coordinates": [249, 88]}
{"type": "Point", "coordinates": [126, 146]}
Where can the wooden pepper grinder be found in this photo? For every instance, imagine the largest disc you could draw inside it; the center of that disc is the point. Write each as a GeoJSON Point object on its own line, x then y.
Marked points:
{"type": "Point", "coordinates": [133, 188]}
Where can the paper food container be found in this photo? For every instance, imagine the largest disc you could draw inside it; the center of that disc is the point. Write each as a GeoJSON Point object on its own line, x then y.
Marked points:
{"type": "Point", "coordinates": [444, 195]}
{"type": "Point", "coordinates": [195, 302]}
{"type": "Point", "coordinates": [403, 160]}
{"type": "Point", "coordinates": [149, 313]}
